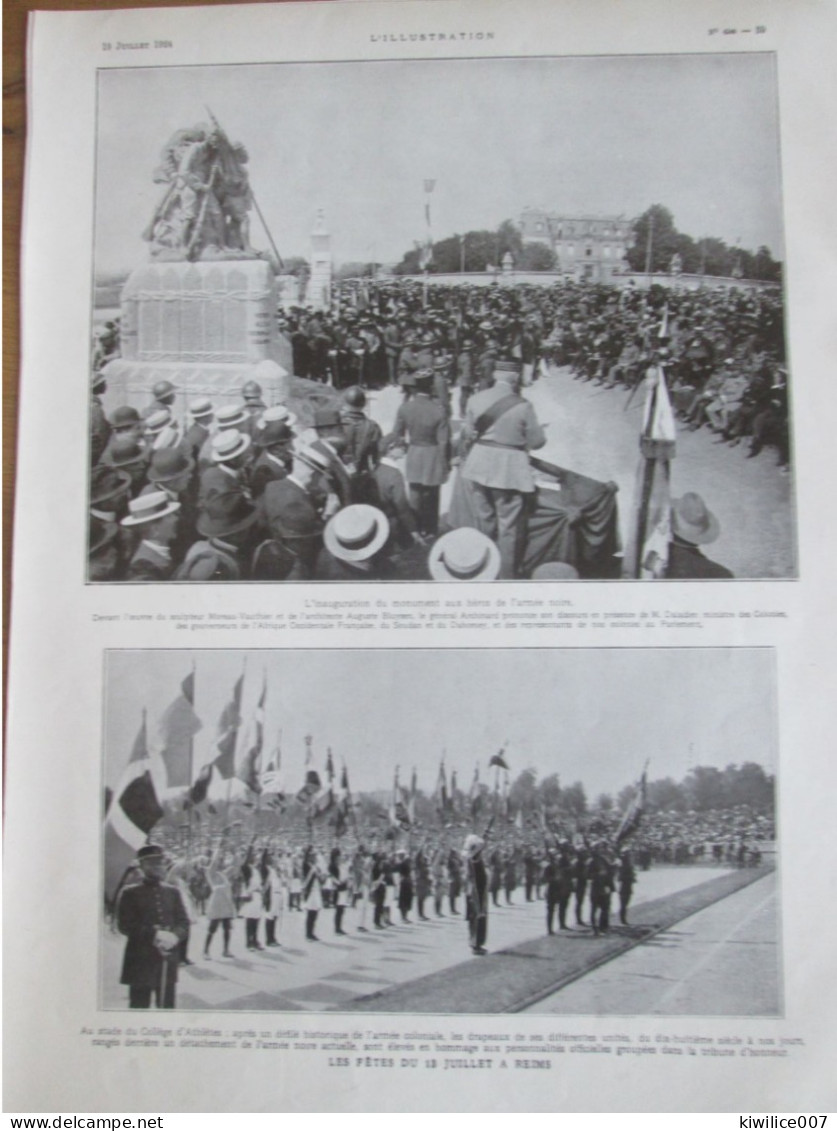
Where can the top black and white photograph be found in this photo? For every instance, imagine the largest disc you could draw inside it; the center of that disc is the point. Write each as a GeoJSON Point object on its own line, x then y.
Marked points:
{"type": "Point", "coordinates": [445, 320]}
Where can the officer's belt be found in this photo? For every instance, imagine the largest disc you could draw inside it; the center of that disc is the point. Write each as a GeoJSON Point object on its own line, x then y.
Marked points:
{"type": "Point", "coordinates": [496, 444]}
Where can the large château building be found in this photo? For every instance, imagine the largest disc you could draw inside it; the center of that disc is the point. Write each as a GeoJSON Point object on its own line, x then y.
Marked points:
{"type": "Point", "coordinates": [591, 248]}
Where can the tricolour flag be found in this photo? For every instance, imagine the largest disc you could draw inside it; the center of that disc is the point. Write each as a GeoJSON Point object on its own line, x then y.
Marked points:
{"type": "Point", "coordinates": [312, 784]}
{"type": "Point", "coordinates": [649, 530]}
{"type": "Point", "coordinates": [228, 725]}
{"type": "Point", "coordinates": [200, 787]}
{"type": "Point", "coordinates": [399, 813]}
{"type": "Point", "coordinates": [175, 734]}
{"type": "Point", "coordinates": [632, 817]}
{"type": "Point", "coordinates": [250, 764]}
{"type": "Point", "coordinates": [133, 812]}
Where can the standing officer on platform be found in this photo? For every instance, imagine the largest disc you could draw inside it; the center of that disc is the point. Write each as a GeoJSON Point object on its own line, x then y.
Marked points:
{"type": "Point", "coordinates": [501, 428]}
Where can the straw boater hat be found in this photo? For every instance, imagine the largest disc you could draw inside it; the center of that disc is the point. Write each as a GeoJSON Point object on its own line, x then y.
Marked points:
{"type": "Point", "coordinates": [464, 555]}
{"type": "Point", "coordinates": [150, 507]}
{"type": "Point", "coordinates": [229, 444]}
{"type": "Point", "coordinates": [692, 520]}
{"type": "Point", "coordinates": [201, 408]}
{"type": "Point", "coordinates": [157, 421]}
{"type": "Point", "coordinates": [231, 415]}
{"type": "Point", "coordinates": [313, 458]}
{"type": "Point", "coordinates": [554, 571]}
{"type": "Point", "coordinates": [356, 533]}
{"type": "Point", "coordinates": [276, 414]}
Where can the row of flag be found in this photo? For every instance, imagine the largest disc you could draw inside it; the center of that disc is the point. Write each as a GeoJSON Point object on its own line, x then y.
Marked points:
{"type": "Point", "coordinates": [162, 771]}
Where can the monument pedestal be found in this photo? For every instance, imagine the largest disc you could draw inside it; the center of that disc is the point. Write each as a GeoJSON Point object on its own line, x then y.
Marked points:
{"type": "Point", "coordinates": [204, 326]}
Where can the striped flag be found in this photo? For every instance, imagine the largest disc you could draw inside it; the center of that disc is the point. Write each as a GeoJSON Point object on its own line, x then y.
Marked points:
{"type": "Point", "coordinates": [441, 794]}
{"type": "Point", "coordinates": [228, 725]}
{"type": "Point", "coordinates": [649, 532]}
{"type": "Point", "coordinates": [249, 768]}
{"type": "Point", "coordinates": [133, 812]}
{"type": "Point", "coordinates": [175, 734]}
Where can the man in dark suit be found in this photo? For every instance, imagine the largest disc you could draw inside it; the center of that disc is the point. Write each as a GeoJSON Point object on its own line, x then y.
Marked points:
{"type": "Point", "coordinates": [289, 509]}
{"type": "Point", "coordinates": [424, 423]}
{"type": "Point", "coordinates": [331, 443]}
{"type": "Point", "coordinates": [692, 525]}
{"type": "Point", "coordinates": [152, 916]}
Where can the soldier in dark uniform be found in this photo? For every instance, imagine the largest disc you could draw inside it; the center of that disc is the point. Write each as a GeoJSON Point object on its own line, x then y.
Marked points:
{"type": "Point", "coordinates": [558, 877]}
{"type": "Point", "coordinates": [152, 916]}
{"type": "Point", "coordinates": [601, 873]}
{"type": "Point", "coordinates": [626, 878]}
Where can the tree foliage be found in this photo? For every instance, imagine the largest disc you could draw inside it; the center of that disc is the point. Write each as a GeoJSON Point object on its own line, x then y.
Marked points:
{"type": "Point", "coordinates": [703, 256]}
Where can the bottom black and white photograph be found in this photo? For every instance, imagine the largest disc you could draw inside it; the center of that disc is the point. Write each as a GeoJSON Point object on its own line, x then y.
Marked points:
{"type": "Point", "coordinates": [578, 831]}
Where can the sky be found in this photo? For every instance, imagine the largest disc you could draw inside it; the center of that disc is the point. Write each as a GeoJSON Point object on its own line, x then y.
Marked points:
{"type": "Point", "coordinates": [590, 715]}
{"type": "Point", "coordinates": [605, 135]}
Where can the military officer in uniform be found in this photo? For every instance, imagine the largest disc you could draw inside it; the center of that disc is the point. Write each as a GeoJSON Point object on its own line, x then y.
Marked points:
{"type": "Point", "coordinates": [424, 423]}
{"type": "Point", "coordinates": [152, 916]}
{"type": "Point", "coordinates": [501, 429]}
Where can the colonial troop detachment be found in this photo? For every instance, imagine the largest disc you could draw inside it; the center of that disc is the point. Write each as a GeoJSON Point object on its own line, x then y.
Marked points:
{"type": "Point", "coordinates": [575, 390]}
{"type": "Point", "coordinates": [267, 848]}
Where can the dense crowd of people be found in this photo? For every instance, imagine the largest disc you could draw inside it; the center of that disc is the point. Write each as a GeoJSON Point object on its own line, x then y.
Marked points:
{"type": "Point", "coordinates": [313, 490]}
{"type": "Point", "coordinates": [223, 896]}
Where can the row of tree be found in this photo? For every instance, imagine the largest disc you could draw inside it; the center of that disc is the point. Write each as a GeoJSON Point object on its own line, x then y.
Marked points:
{"type": "Point", "coordinates": [656, 241]}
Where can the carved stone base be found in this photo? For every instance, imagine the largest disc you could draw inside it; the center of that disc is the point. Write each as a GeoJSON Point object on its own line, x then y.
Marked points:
{"type": "Point", "coordinates": [204, 326]}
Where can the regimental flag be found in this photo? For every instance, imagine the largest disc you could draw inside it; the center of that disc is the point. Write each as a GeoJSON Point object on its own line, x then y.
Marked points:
{"type": "Point", "coordinates": [632, 817]}
{"type": "Point", "coordinates": [250, 764]}
{"type": "Point", "coordinates": [399, 813]}
{"type": "Point", "coordinates": [312, 785]}
{"type": "Point", "coordinates": [200, 787]}
{"type": "Point", "coordinates": [175, 734]}
{"type": "Point", "coordinates": [323, 801]}
{"type": "Point", "coordinates": [411, 799]}
{"type": "Point", "coordinates": [133, 812]}
{"type": "Point", "coordinates": [454, 793]}
{"type": "Point", "coordinates": [498, 760]}
{"type": "Point", "coordinates": [440, 795]}
{"type": "Point", "coordinates": [271, 776]}
{"type": "Point", "coordinates": [475, 795]}
{"type": "Point", "coordinates": [345, 798]}
{"type": "Point", "coordinates": [649, 530]}
{"type": "Point", "coordinates": [228, 725]}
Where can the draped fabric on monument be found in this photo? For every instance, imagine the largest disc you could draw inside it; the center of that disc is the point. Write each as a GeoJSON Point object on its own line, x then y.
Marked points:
{"type": "Point", "coordinates": [576, 521]}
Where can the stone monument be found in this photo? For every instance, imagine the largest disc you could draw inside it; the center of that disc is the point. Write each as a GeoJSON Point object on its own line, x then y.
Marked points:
{"type": "Point", "coordinates": [201, 312]}
{"type": "Point", "coordinates": [318, 293]}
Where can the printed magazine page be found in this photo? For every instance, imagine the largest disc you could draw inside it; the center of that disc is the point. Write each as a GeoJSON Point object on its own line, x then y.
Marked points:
{"type": "Point", "coordinates": [421, 681]}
